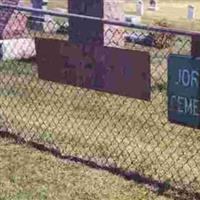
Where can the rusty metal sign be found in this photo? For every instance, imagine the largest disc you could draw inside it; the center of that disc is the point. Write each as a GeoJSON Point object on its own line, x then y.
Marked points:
{"type": "Point", "coordinates": [106, 69]}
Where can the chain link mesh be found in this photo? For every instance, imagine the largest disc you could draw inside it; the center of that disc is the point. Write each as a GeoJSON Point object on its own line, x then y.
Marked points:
{"type": "Point", "coordinates": [109, 130]}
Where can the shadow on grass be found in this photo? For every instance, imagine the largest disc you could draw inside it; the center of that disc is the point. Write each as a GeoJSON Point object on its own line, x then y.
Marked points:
{"type": "Point", "coordinates": [160, 188]}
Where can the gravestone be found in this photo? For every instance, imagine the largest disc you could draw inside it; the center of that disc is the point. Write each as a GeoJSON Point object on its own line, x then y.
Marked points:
{"type": "Point", "coordinates": [13, 34]}
{"type": "Point", "coordinates": [45, 8]}
{"type": "Point", "coordinates": [153, 5]}
{"type": "Point", "coordinates": [113, 35]}
{"type": "Point", "coordinates": [17, 49]}
{"type": "Point", "coordinates": [21, 3]}
{"type": "Point", "coordinates": [85, 31]}
{"type": "Point", "coordinates": [12, 22]}
{"type": "Point", "coordinates": [45, 5]}
{"type": "Point", "coordinates": [140, 8]}
{"type": "Point", "coordinates": [5, 14]}
{"type": "Point", "coordinates": [191, 12]}
{"type": "Point", "coordinates": [16, 26]}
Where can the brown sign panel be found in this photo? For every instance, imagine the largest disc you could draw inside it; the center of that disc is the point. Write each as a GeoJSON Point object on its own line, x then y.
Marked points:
{"type": "Point", "coordinates": [107, 69]}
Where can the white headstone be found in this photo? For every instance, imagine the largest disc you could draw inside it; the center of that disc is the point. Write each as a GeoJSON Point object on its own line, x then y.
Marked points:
{"type": "Point", "coordinates": [45, 5]}
{"type": "Point", "coordinates": [191, 12]}
{"type": "Point", "coordinates": [21, 3]}
{"type": "Point", "coordinates": [16, 49]}
{"type": "Point", "coordinates": [153, 5]}
{"type": "Point", "coordinates": [140, 8]}
{"type": "Point", "coordinates": [61, 10]}
{"type": "Point", "coordinates": [113, 35]}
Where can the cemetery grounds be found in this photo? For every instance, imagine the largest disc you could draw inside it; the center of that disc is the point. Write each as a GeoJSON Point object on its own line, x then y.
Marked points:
{"type": "Point", "coordinates": [80, 123]}
{"type": "Point", "coordinates": [174, 11]}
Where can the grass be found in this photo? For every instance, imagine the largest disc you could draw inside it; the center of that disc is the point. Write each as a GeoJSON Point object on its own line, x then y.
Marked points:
{"type": "Point", "coordinates": [108, 129]}
{"type": "Point", "coordinates": [46, 137]}
{"type": "Point", "coordinates": [174, 11]}
{"type": "Point", "coordinates": [26, 174]}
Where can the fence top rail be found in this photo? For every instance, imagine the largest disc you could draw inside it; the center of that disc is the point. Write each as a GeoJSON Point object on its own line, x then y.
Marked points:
{"type": "Point", "coordinates": [110, 22]}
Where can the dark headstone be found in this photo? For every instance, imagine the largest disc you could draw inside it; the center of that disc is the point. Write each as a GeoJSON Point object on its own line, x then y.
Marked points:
{"type": "Point", "coordinates": [85, 31]}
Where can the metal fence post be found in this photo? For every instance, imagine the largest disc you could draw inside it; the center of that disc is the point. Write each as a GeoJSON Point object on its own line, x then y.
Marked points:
{"type": "Point", "coordinates": [195, 51]}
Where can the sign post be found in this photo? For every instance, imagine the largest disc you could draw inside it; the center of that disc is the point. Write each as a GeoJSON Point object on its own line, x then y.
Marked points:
{"type": "Point", "coordinates": [195, 51]}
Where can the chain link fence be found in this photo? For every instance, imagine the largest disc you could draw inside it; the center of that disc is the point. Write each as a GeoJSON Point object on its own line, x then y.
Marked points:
{"type": "Point", "coordinates": [126, 136]}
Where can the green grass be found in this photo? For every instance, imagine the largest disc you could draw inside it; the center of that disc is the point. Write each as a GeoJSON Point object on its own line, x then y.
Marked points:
{"type": "Point", "coordinates": [104, 128]}
{"type": "Point", "coordinates": [174, 11]}
{"type": "Point", "coordinates": [26, 174]}
{"type": "Point", "coordinates": [12, 67]}
{"type": "Point", "coordinates": [47, 137]}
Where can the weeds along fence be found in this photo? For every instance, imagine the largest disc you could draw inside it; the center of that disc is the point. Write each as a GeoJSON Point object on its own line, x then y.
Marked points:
{"type": "Point", "coordinates": [113, 132]}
